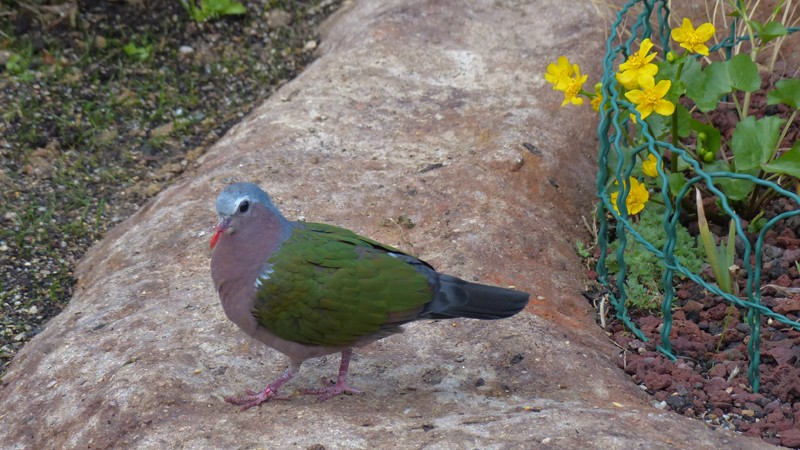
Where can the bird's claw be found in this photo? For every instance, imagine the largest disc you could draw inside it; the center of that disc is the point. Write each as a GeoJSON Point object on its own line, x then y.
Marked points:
{"type": "Point", "coordinates": [331, 390]}
{"type": "Point", "coordinates": [253, 398]}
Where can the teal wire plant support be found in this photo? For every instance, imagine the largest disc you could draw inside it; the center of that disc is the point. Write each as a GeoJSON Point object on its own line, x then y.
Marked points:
{"type": "Point", "coordinates": [652, 22]}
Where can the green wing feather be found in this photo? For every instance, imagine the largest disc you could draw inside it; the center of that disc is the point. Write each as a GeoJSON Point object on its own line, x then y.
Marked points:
{"type": "Point", "coordinates": [329, 286]}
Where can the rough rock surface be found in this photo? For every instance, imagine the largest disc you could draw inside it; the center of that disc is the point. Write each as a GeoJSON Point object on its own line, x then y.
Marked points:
{"type": "Point", "coordinates": [435, 111]}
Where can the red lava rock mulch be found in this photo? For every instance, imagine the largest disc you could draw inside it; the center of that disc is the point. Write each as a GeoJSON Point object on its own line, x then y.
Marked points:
{"type": "Point", "coordinates": [709, 380]}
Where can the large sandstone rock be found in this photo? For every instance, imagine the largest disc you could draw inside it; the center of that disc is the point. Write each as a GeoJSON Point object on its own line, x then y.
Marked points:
{"type": "Point", "coordinates": [431, 110]}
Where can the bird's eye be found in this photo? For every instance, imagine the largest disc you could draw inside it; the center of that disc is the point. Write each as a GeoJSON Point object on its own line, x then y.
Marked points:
{"type": "Point", "coordinates": [244, 206]}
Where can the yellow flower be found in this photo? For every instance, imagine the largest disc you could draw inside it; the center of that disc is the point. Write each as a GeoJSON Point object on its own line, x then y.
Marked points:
{"type": "Point", "coordinates": [691, 39]}
{"type": "Point", "coordinates": [573, 87]}
{"type": "Point", "coordinates": [651, 98]}
{"type": "Point", "coordinates": [637, 67]}
{"type": "Point", "coordinates": [649, 166]}
{"type": "Point", "coordinates": [559, 73]}
{"type": "Point", "coordinates": [636, 199]}
{"type": "Point", "coordinates": [598, 98]}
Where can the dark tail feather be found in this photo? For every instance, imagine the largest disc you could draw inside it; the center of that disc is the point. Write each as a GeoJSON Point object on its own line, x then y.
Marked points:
{"type": "Point", "coordinates": [459, 298]}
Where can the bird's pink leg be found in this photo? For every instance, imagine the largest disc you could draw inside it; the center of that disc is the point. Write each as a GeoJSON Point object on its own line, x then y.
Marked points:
{"type": "Point", "coordinates": [341, 387]}
{"type": "Point", "coordinates": [252, 398]}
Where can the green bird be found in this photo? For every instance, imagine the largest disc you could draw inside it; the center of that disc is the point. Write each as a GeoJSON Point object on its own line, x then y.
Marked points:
{"type": "Point", "coordinates": [310, 289]}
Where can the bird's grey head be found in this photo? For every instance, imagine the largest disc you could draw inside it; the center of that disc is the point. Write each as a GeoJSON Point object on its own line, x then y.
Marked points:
{"type": "Point", "coordinates": [236, 203]}
{"type": "Point", "coordinates": [239, 198]}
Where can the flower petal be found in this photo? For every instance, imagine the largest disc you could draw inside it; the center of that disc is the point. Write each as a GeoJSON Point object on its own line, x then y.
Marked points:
{"type": "Point", "coordinates": [645, 47]}
{"type": "Point", "coordinates": [705, 31]}
{"type": "Point", "coordinates": [634, 96]}
{"type": "Point", "coordinates": [645, 109]}
{"type": "Point", "coordinates": [649, 165]}
{"type": "Point", "coordinates": [627, 79]}
{"type": "Point", "coordinates": [648, 82]}
{"type": "Point", "coordinates": [661, 88]}
{"type": "Point", "coordinates": [664, 107]}
{"type": "Point", "coordinates": [644, 79]}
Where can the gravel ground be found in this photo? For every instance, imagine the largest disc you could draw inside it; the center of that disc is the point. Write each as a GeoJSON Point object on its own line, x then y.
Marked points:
{"type": "Point", "coordinates": [103, 104]}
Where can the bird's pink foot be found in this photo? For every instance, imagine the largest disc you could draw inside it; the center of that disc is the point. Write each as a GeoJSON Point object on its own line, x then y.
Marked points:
{"type": "Point", "coordinates": [253, 398]}
{"type": "Point", "coordinates": [340, 387]}
{"type": "Point", "coordinates": [332, 390]}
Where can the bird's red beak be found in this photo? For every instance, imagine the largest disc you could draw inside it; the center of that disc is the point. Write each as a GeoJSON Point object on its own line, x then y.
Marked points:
{"type": "Point", "coordinates": [218, 230]}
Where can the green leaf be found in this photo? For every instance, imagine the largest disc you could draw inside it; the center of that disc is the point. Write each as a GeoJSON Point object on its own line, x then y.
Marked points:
{"type": "Point", "coordinates": [730, 245]}
{"type": "Point", "coordinates": [666, 71]}
{"type": "Point", "coordinates": [581, 250]}
{"type": "Point", "coordinates": [770, 30]}
{"type": "Point", "coordinates": [683, 165]}
{"type": "Point", "coordinates": [130, 49]}
{"type": "Point", "coordinates": [733, 188]}
{"type": "Point", "coordinates": [754, 141]}
{"type": "Point", "coordinates": [235, 8]}
{"type": "Point", "coordinates": [717, 257]}
{"type": "Point", "coordinates": [16, 65]}
{"type": "Point", "coordinates": [788, 163]}
{"type": "Point", "coordinates": [140, 53]}
{"type": "Point", "coordinates": [676, 182]}
{"type": "Point", "coordinates": [756, 225]}
{"type": "Point", "coordinates": [717, 166]}
{"type": "Point", "coordinates": [613, 158]}
{"type": "Point", "coordinates": [224, 7]}
{"type": "Point", "coordinates": [743, 73]}
{"type": "Point", "coordinates": [200, 14]}
{"type": "Point", "coordinates": [786, 92]}
{"type": "Point", "coordinates": [659, 125]}
{"type": "Point", "coordinates": [684, 118]}
{"type": "Point", "coordinates": [706, 86]}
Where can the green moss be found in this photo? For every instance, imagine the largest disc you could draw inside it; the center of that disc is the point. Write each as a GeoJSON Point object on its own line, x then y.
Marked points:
{"type": "Point", "coordinates": [644, 269]}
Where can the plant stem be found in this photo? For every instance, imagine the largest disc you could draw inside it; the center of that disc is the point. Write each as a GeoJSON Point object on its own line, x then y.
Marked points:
{"type": "Point", "coordinates": [779, 41]}
{"type": "Point", "coordinates": [753, 55]}
{"type": "Point", "coordinates": [673, 163]}
{"type": "Point", "coordinates": [737, 105]}
{"type": "Point", "coordinates": [783, 133]}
